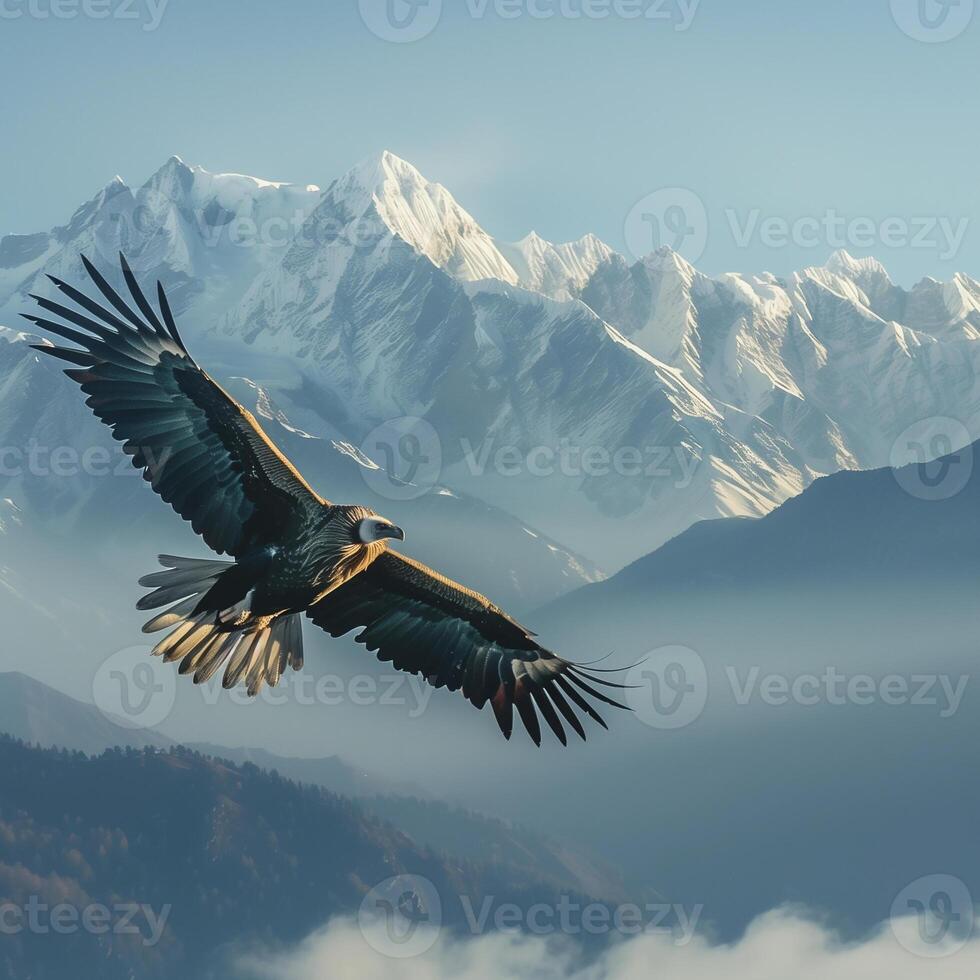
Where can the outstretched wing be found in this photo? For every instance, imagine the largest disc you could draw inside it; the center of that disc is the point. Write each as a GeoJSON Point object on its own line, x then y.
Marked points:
{"type": "Point", "coordinates": [198, 448]}
{"type": "Point", "coordinates": [427, 624]}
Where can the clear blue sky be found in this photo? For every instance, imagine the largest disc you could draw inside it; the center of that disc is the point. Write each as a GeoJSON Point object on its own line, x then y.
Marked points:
{"type": "Point", "coordinates": [785, 109]}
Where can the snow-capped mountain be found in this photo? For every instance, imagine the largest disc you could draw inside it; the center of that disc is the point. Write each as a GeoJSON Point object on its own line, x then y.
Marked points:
{"type": "Point", "coordinates": [387, 194]}
{"type": "Point", "coordinates": [205, 235]}
{"type": "Point", "coordinates": [558, 271]}
{"type": "Point", "coordinates": [838, 360]}
{"type": "Point", "coordinates": [605, 404]}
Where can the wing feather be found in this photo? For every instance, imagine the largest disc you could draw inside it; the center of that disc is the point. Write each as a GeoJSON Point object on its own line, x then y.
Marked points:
{"type": "Point", "coordinates": [200, 450]}
{"type": "Point", "coordinates": [426, 624]}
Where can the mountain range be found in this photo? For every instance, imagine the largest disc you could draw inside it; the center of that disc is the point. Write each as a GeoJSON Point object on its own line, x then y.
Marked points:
{"type": "Point", "coordinates": [852, 530]}
{"type": "Point", "coordinates": [40, 716]}
{"type": "Point", "coordinates": [199, 862]}
{"type": "Point", "coordinates": [601, 404]}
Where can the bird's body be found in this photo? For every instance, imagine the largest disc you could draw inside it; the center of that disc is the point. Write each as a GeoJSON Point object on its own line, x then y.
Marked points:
{"type": "Point", "coordinates": [294, 553]}
{"type": "Point", "coordinates": [318, 554]}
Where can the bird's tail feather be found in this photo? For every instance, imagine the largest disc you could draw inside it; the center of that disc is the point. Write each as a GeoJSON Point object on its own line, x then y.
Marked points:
{"type": "Point", "coordinates": [184, 579]}
{"type": "Point", "coordinates": [203, 642]}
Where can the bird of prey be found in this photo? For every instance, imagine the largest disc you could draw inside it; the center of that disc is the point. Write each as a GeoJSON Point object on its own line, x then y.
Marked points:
{"type": "Point", "coordinates": [293, 551]}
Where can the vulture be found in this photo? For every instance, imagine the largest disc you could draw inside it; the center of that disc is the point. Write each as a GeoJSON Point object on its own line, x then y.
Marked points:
{"type": "Point", "coordinates": [293, 553]}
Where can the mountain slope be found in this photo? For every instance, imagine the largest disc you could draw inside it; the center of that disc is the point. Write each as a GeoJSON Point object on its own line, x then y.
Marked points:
{"type": "Point", "coordinates": [821, 356]}
{"type": "Point", "coordinates": [557, 271]}
{"type": "Point", "coordinates": [34, 713]}
{"type": "Point", "coordinates": [219, 858]}
{"type": "Point", "coordinates": [382, 322]}
{"type": "Point", "coordinates": [871, 531]}
{"type": "Point", "coordinates": [425, 215]}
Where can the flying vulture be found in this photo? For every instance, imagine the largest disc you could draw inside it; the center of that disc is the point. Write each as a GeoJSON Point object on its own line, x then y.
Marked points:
{"type": "Point", "coordinates": [294, 552]}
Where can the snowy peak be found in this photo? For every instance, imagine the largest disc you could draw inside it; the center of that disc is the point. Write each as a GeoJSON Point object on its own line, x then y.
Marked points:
{"type": "Point", "coordinates": [865, 280]}
{"type": "Point", "coordinates": [210, 232]}
{"type": "Point", "coordinates": [651, 304]}
{"type": "Point", "coordinates": [559, 271]}
{"type": "Point", "coordinates": [842, 263]}
{"type": "Point", "coordinates": [180, 179]}
{"type": "Point", "coordinates": [223, 196]}
{"type": "Point", "coordinates": [84, 215]}
{"type": "Point", "coordinates": [423, 214]}
{"type": "Point", "coordinates": [426, 216]}
{"type": "Point", "coordinates": [665, 261]}
{"type": "Point", "coordinates": [23, 256]}
{"type": "Point", "coordinates": [945, 309]}
{"type": "Point", "coordinates": [174, 177]}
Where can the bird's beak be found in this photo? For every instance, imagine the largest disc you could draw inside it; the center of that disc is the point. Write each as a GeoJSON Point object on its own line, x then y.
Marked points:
{"type": "Point", "coordinates": [393, 531]}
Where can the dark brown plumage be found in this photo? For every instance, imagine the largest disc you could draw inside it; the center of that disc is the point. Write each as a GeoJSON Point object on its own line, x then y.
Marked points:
{"type": "Point", "coordinates": [294, 552]}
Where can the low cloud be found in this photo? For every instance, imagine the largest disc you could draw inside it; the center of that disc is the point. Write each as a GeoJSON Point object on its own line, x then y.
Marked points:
{"type": "Point", "coordinates": [777, 946]}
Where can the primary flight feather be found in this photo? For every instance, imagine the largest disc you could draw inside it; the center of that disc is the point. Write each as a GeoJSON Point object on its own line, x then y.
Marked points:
{"type": "Point", "coordinates": [294, 552]}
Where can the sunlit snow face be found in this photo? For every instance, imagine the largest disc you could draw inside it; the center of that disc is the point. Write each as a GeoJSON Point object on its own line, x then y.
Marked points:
{"type": "Point", "coordinates": [372, 529]}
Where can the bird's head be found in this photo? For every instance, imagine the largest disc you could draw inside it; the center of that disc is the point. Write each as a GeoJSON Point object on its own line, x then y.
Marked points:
{"type": "Point", "coordinates": [372, 529]}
